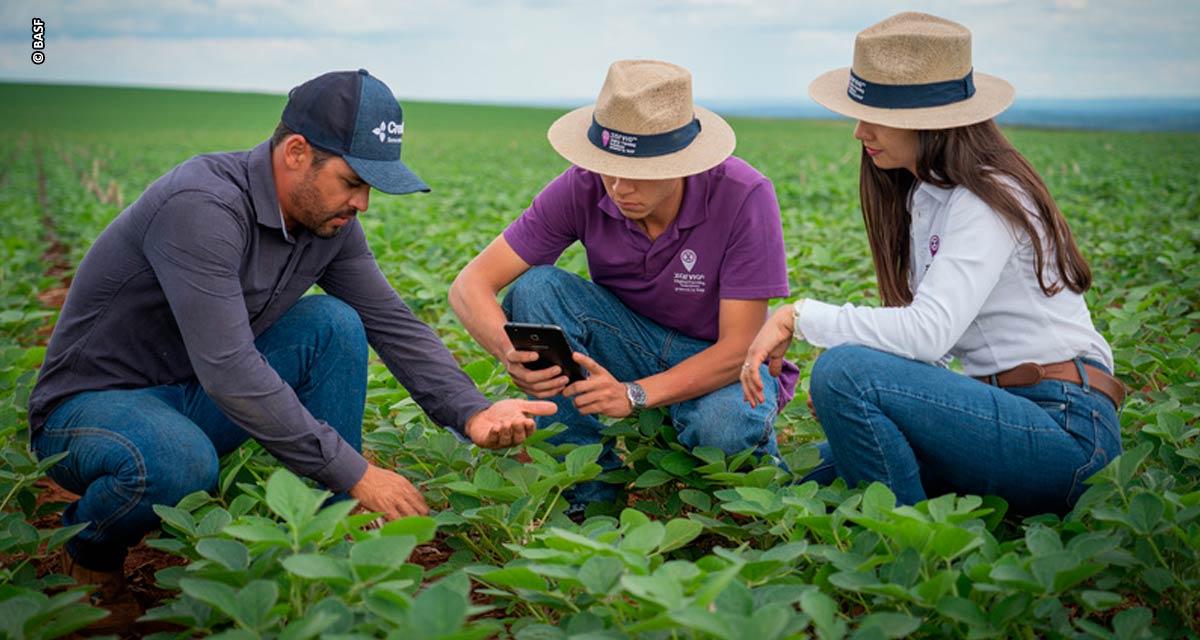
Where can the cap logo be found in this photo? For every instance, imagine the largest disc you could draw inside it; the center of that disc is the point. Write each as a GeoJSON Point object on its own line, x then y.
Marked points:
{"type": "Point", "coordinates": [389, 131]}
{"type": "Point", "coordinates": [604, 138]}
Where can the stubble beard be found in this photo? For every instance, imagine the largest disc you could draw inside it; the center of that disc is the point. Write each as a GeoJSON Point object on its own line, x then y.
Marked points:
{"type": "Point", "coordinates": [306, 201]}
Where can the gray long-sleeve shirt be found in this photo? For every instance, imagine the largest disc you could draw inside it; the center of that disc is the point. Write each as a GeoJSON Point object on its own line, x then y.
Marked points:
{"type": "Point", "coordinates": [183, 281]}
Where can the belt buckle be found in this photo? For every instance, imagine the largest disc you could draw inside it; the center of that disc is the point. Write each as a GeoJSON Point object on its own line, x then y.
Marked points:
{"type": "Point", "coordinates": [1026, 375]}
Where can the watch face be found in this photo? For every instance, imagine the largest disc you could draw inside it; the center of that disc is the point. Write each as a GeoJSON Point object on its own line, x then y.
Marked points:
{"type": "Point", "coordinates": [636, 394]}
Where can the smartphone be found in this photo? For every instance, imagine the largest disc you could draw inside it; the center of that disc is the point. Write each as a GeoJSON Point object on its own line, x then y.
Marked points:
{"type": "Point", "coordinates": [549, 342]}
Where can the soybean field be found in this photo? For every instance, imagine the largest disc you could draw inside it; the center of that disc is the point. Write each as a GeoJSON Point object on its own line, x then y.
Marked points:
{"type": "Point", "coordinates": [709, 546]}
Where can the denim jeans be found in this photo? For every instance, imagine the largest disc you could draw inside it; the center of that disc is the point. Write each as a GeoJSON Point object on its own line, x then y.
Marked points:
{"type": "Point", "coordinates": [923, 430]}
{"type": "Point", "coordinates": [130, 449]}
{"type": "Point", "coordinates": [632, 346]}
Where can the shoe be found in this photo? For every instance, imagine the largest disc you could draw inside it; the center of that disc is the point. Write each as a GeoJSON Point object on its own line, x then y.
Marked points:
{"type": "Point", "coordinates": [110, 594]}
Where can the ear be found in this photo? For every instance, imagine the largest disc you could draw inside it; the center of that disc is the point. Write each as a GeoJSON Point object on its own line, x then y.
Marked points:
{"type": "Point", "coordinates": [297, 153]}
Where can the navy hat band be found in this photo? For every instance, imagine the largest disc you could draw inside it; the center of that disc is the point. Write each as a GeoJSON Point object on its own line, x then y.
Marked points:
{"type": "Point", "coordinates": [910, 96]}
{"type": "Point", "coordinates": [632, 145]}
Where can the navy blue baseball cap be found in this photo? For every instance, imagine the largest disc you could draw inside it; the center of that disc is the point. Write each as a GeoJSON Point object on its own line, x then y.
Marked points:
{"type": "Point", "coordinates": [354, 115]}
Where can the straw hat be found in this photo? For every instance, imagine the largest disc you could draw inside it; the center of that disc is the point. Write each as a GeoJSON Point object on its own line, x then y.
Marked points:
{"type": "Point", "coordinates": [643, 126]}
{"type": "Point", "coordinates": [913, 71]}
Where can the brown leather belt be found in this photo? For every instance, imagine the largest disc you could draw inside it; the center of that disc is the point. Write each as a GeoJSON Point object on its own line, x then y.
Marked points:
{"type": "Point", "coordinates": [1028, 374]}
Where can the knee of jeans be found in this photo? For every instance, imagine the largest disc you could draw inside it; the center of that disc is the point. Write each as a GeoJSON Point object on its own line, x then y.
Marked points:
{"type": "Point", "coordinates": [730, 427]}
{"type": "Point", "coordinates": [186, 472]}
{"type": "Point", "coordinates": [333, 314]}
{"type": "Point", "coordinates": [835, 372]}
{"type": "Point", "coordinates": [528, 296]}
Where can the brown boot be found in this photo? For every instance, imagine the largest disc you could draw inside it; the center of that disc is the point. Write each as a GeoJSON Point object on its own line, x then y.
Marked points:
{"type": "Point", "coordinates": [110, 593]}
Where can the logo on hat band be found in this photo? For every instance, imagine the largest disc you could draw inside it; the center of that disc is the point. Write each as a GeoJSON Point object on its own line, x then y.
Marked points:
{"type": "Point", "coordinates": [642, 146]}
{"type": "Point", "coordinates": [910, 96]}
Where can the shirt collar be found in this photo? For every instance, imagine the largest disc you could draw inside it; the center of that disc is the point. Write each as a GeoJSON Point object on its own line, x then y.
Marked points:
{"type": "Point", "coordinates": [692, 210]}
{"type": "Point", "coordinates": [927, 190]}
{"type": "Point", "coordinates": [262, 188]}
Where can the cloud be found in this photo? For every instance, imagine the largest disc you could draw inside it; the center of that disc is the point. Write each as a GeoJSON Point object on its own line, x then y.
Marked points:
{"type": "Point", "coordinates": [542, 51]}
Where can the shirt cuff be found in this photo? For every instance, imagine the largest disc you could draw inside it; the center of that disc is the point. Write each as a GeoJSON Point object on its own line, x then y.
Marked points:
{"type": "Point", "coordinates": [343, 471]}
{"type": "Point", "coordinates": [797, 308]}
{"type": "Point", "coordinates": [817, 323]}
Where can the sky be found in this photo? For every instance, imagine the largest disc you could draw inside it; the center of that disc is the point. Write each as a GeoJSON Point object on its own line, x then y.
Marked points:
{"type": "Point", "coordinates": [557, 52]}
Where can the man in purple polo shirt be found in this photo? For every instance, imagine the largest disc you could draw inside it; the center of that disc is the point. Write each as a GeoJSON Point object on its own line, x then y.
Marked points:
{"type": "Point", "coordinates": [685, 248]}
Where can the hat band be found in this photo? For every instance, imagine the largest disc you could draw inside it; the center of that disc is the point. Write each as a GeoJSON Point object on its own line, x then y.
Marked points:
{"type": "Point", "coordinates": [642, 146]}
{"type": "Point", "coordinates": [910, 96]}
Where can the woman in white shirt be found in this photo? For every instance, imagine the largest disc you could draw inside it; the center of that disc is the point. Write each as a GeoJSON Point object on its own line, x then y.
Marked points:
{"type": "Point", "coordinates": [974, 261]}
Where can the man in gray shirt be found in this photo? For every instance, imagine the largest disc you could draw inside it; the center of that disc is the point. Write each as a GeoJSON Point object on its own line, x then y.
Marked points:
{"type": "Point", "coordinates": [185, 331]}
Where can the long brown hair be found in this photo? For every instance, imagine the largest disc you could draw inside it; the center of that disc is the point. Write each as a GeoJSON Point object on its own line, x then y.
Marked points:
{"type": "Point", "coordinates": [981, 159]}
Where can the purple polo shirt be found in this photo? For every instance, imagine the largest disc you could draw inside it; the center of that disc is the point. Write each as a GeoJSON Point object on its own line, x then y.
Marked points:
{"type": "Point", "coordinates": [726, 243]}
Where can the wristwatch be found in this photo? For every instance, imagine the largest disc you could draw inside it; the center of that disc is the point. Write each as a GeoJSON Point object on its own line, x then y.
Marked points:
{"type": "Point", "coordinates": [636, 395]}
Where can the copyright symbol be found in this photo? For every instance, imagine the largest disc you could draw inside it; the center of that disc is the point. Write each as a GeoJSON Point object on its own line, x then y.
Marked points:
{"type": "Point", "coordinates": [38, 57]}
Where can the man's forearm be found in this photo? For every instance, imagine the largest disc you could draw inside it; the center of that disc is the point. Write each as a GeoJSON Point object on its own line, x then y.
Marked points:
{"type": "Point", "coordinates": [476, 307]}
{"type": "Point", "coordinates": [711, 369]}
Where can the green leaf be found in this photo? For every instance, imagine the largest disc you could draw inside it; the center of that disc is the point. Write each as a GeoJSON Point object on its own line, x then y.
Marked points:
{"type": "Point", "coordinates": [706, 622]}
{"type": "Point", "coordinates": [439, 610]}
{"type": "Point", "coordinates": [177, 518]}
{"type": "Point", "coordinates": [951, 541]}
{"type": "Point", "coordinates": [258, 533]}
{"type": "Point", "coordinates": [710, 455]}
{"type": "Point", "coordinates": [390, 551]}
{"type": "Point", "coordinates": [230, 554]}
{"type": "Point", "coordinates": [893, 625]}
{"type": "Point", "coordinates": [255, 602]}
{"type": "Point", "coordinates": [318, 567]}
{"type": "Point", "coordinates": [219, 596]}
{"type": "Point", "coordinates": [515, 578]}
{"type": "Point", "coordinates": [1145, 513]}
{"type": "Point", "coordinates": [581, 457]}
{"type": "Point", "coordinates": [698, 499]}
{"type": "Point", "coordinates": [678, 533]}
{"type": "Point", "coordinates": [1099, 600]}
{"type": "Point", "coordinates": [652, 478]}
{"type": "Point", "coordinates": [311, 625]}
{"type": "Point", "coordinates": [963, 610]}
{"type": "Point", "coordinates": [678, 463]}
{"type": "Point", "coordinates": [661, 590]}
{"type": "Point", "coordinates": [290, 499]}
{"type": "Point", "coordinates": [1132, 623]}
{"type": "Point", "coordinates": [599, 573]}
{"type": "Point", "coordinates": [823, 611]}
{"type": "Point", "coordinates": [644, 538]}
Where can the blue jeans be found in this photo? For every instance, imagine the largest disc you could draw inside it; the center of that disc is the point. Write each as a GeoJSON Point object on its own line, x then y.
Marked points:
{"type": "Point", "coordinates": [134, 448]}
{"type": "Point", "coordinates": [631, 347]}
{"type": "Point", "coordinates": [923, 430]}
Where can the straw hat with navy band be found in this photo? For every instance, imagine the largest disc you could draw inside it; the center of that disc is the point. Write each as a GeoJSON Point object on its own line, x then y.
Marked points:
{"type": "Point", "coordinates": [913, 71]}
{"type": "Point", "coordinates": [644, 126]}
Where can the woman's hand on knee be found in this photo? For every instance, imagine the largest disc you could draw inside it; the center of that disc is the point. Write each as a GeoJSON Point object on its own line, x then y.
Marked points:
{"type": "Point", "coordinates": [771, 344]}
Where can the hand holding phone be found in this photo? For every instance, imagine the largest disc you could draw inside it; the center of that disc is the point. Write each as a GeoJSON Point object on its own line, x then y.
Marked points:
{"type": "Point", "coordinates": [550, 344]}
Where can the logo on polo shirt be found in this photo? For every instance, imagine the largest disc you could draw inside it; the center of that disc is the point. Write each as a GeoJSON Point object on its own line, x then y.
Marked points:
{"type": "Point", "coordinates": [389, 131]}
{"type": "Point", "coordinates": [935, 243]}
{"type": "Point", "coordinates": [688, 257]}
{"type": "Point", "coordinates": [689, 283]}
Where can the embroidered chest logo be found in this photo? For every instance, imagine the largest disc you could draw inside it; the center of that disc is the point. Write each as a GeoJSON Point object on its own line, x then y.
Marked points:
{"type": "Point", "coordinates": [688, 257]}
{"type": "Point", "coordinates": [687, 282]}
{"type": "Point", "coordinates": [935, 243]}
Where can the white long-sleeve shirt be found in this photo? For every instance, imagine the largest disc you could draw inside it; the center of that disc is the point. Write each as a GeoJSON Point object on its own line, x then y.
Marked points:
{"type": "Point", "coordinates": [976, 297]}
